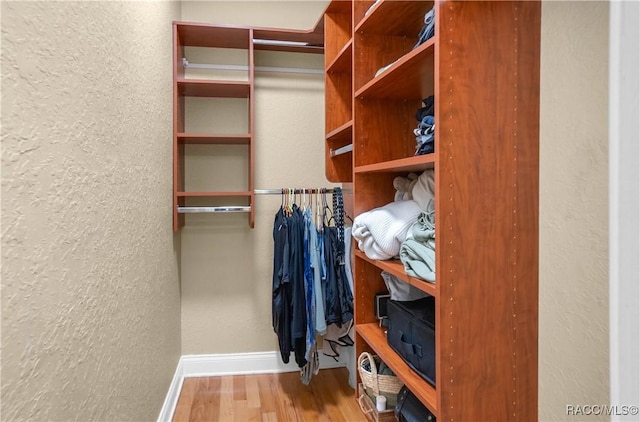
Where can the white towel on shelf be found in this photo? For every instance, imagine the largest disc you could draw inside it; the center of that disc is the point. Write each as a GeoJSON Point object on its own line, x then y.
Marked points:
{"type": "Point", "coordinates": [381, 231]}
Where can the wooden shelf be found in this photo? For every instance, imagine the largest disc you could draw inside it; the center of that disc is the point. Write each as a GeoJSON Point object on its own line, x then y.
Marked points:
{"type": "Point", "coordinates": [410, 78]}
{"type": "Point", "coordinates": [395, 18]}
{"type": "Point", "coordinates": [213, 88]}
{"type": "Point", "coordinates": [415, 163]}
{"type": "Point", "coordinates": [344, 132]}
{"type": "Point", "coordinates": [218, 36]}
{"type": "Point", "coordinates": [225, 36]}
{"type": "Point", "coordinates": [395, 267]}
{"type": "Point", "coordinates": [342, 63]}
{"type": "Point", "coordinates": [193, 138]}
{"type": "Point", "coordinates": [376, 337]}
{"type": "Point", "coordinates": [337, 26]}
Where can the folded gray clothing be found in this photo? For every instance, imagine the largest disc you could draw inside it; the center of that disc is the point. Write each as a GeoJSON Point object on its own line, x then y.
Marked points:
{"type": "Point", "coordinates": [419, 260]}
{"type": "Point", "coordinates": [424, 229]}
{"type": "Point", "coordinates": [399, 290]}
{"type": "Point", "coordinates": [418, 251]}
{"type": "Point", "coordinates": [423, 191]}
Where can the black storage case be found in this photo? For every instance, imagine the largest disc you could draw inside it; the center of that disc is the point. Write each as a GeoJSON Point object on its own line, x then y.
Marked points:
{"type": "Point", "coordinates": [412, 335]}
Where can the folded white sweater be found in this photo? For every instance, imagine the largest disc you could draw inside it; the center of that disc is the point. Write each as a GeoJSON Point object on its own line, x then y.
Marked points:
{"type": "Point", "coordinates": [381, 231]}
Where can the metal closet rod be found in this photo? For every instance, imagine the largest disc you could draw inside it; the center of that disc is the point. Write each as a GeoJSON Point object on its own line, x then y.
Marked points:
{"type": "Point", "coordinates": [247, 208]}
{"type": "Point", "coordinates": [186, 63]}
{"type": "Point", "coordinates": [301, 44]}
{"type": "Point", "coordinates": [342, 150]}
{"type": "Point", "coordinates": [293, 190]}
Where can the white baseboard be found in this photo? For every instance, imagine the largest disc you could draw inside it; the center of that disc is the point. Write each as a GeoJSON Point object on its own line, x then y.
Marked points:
{"type": "Point", "coordinates": [190, 366]}
{"type": "Point", "coordinates": [171, 400]}
{"type": "Point", "coordinates": [244, 363]}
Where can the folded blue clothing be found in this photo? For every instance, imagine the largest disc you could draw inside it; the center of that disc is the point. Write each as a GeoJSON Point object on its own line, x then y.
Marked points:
{"type": "Point", "coordinates": [424, 144]}
{"type": "Point", "coordinates": [427, 130]}
{"type": "Point", "coordinates": [428, 30]}
{"type": "Point", "coordinates": [427, 148]}
{"type": "Point", "coordinates": [425, 135]}
{"type": "Point", "coordinates": [427, 110]}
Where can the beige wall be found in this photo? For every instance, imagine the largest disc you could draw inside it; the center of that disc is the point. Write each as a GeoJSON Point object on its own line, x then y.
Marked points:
{"type": "Point", "coordinates": [227, 267]}
{"type": "Point", "coordinates": [90, 290]}
{"type": "Point", "coordinates": [574, 313]}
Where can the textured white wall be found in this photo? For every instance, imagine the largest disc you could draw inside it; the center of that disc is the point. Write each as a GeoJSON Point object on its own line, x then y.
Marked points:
{"type": "Point", "coordinates": [90, 290]}
{"type": "Point", "coordinates": [227, 267]}
{"type": "Point", "coordinates": [574, 313]}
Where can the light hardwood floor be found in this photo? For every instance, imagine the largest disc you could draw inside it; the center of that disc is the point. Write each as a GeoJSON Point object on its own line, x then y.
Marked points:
{"type": "Point", "coordinates": [269, 397]}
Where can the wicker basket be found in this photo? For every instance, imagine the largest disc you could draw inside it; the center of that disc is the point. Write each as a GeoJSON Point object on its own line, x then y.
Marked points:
{"type": "Point", "coordinates": [369, 409]}
{"type": "Point", "coordinates": [376, 384]}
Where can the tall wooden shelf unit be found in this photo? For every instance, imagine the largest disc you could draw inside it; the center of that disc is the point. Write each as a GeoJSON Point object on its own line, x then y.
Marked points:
{"type": "Point", "coordinates": [249, 39]}
{"type": "Point", "coordinates": [482, 66]}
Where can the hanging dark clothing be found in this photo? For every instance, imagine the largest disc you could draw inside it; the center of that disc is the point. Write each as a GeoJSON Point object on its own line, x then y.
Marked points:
{"type": "Point", "coordinates": [296, 274]}
{"type": "Point", "coordinates": [338, 297]}
{"type": "Point", "coordinates": [281, 288]}
{"type": "Point", "coordinates": [294, 309]}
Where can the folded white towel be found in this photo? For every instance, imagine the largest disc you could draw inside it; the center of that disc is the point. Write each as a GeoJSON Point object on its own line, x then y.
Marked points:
{"type": "Point", "coordinates": [381, 231]}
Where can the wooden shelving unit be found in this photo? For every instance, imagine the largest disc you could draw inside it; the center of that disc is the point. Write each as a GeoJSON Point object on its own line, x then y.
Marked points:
{"type": "Point", "coordinates": [210, 36]}
{"type": "Point", "coordinates": [482, 66]}
{"type": "Point", "coordinates": [247, 39]}
{"type": "Point", "coordinates": [338, 61]}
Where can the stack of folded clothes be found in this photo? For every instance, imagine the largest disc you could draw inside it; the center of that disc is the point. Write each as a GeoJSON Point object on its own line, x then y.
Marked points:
{"type": "Point", "coordinates": [425, 132]}
{"type": "Point", "coordinates": [418, 251]}
{"type": "Point", "coordinates": [381, 232]}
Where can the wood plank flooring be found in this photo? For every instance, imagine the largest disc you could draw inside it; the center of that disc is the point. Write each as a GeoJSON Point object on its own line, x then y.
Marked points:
{"type": "Point", "coordinates": [269, 398]}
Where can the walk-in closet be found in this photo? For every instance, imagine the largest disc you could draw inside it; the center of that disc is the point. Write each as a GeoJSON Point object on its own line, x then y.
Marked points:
{"type": "Point", "coordinates": [319, 210]}
{"type": "Point", "coordinates": [403, 139]}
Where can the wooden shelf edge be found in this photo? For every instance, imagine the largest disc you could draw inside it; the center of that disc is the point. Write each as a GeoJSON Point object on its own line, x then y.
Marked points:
{"type": "Point", "coordinates": [340, 132]}
{"type": "Point", "coordinates": [221, 82]}
{"type": "Point", "coordinates": [212, 88]}
{"type": "Point", "coordinates": [376, 338]}
{"type": "Point", "coordinates": [396, 268]}
{"type": "Point", "coordinates": [416, 163]}
{"type": "Point", "coordinates": [363, 22]}
{"type": "Point", "coordinates": [343, 55]}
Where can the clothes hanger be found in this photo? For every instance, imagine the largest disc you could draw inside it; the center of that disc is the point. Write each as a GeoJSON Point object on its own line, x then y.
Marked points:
{"type": "Point", "coordinates": [326, 210]}
{"type": "Point", "coordinates": [317, 215]}
{"type": "Point", "coordinates": [304, 199]}
{"type": "Point", "coordinates": [292, 200]}
{"type": "Point", "coordinates": [288, 203]}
